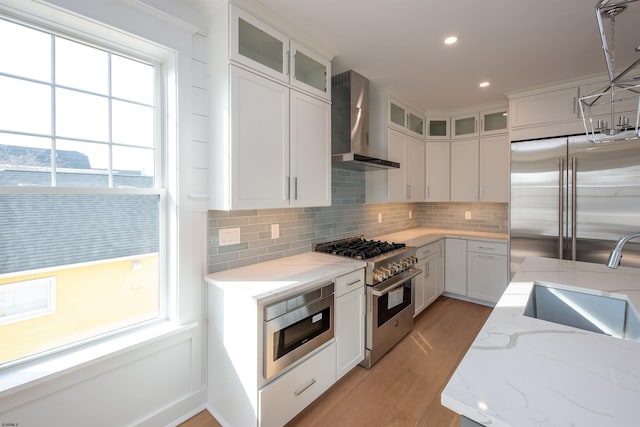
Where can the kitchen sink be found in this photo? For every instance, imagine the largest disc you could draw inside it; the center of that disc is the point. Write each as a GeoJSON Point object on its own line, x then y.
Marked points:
{"type": "Point", "coordinates": [602, 314]}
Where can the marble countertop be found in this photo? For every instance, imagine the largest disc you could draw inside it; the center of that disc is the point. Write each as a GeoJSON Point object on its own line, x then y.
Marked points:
{"type": "Point", "coordinates": [522, 371]}
{"type": "Point", "coordinates": [421, 236]}
{"type": "Point", "coordinates": [267, 281]}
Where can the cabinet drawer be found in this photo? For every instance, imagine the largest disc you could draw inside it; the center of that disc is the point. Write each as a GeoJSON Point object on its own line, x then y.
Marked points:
{"type": "Point", "coordinates": [496, 248]}
{"type": "Point", "coordinates": [428, 250]}
{"type": "Point", "coordinates": [349, 282]}
{"type": "Point", "coordinates": [281, 400]}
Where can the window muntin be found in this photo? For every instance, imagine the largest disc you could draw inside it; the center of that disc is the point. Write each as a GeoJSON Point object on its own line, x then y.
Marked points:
{"type": "Point", "coordinates": [93, 96]}
{"type": "Point", "coordinates": [94, 129]}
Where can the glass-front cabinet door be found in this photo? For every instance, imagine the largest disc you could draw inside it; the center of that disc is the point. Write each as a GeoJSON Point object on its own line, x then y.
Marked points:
{"type": "Point", "coordinates": [415, 123]}
{"type": "Point", "coordinates": [437, 128]}
{"type": "Point", "coordinates": [464, 125]}
{"type": "Point", "coordinates": [257, 45]}
{"type": "Point", "coordinates": [309, 71]}
{"type": "Point", "coordinates": [494, 121]}
{"type": "Point", "coordinates": [397, 114]}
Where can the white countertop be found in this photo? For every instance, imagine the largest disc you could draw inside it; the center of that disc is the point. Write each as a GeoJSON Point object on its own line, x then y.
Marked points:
{"type": "Point", "coordinates": [265, 281]}
{"type": "Point", "coordinates": [421, 236]}
{"type": "Point", "coordinates": [522, 371]}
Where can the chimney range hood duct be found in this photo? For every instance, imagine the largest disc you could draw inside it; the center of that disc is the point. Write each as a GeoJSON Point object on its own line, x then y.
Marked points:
{"type": "Point", "coordinates": [350, 124]}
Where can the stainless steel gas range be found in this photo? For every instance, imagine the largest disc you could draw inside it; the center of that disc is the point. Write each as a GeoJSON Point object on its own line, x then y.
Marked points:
{"type": "Point", "coordinates": [390, 268]}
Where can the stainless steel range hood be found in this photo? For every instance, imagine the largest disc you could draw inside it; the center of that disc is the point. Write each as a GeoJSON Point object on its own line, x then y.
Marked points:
{"type": "Point", "coordinates": [350, 124]}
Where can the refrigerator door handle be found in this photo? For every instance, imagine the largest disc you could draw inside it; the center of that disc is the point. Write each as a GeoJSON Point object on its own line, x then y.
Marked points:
{"type": "Point", "coordinates": [560, 208]}
{"type": "Point", "coordinates": [574, 208]}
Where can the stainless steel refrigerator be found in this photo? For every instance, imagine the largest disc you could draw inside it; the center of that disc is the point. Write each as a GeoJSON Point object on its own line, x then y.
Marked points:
{"type": "Point", "coordinates": [572, 199]}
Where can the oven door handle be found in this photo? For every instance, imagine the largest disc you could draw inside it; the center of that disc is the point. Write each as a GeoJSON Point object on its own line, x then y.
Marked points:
{"type": "Point", "coordinates": [390, 284]}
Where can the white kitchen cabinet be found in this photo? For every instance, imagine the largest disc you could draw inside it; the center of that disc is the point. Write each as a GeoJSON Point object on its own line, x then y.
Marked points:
{"type": "Point", "coordinates": [258, 45]}
{"type": "Point", "coordinates": [494, 169]}
{"type": "Point", "coordinates": [480, 169]}
{"type": "Point", "coordinates": [430, 284]}
{"type": "Point", "coordinates": [438, 127]}
{"type": "Point", "coordinates": [437, 171]}
{"type": "Point", "coordinates": [264, 49]}
{"type": "Point", "coordinates": [464, 170]}
{"type": "Point", "coordinates": [414, 159]}
{"type": "Point", "coordinates": [405, 119]}
{"type": "Point", "coordinates": [403, 184]}
{"type": "Point", "coordinates": [262, 147]}
{"type": "Point", "coordinates": [282, 399]}
{"type": "Point", "coordinates": [350, 321]}
{"type": "Point", "coordinates": [487, 275]}
{"type": "Point", "coordinates": [464, 125]}
{"type": "Point", "coordinates": [456, 266]}
{"type": "Point", "coordinates": [494, 121]}
{"type": "Point", "coordinates": [310, 151]}
{"type": "Point", "coordinates": [543, 108]}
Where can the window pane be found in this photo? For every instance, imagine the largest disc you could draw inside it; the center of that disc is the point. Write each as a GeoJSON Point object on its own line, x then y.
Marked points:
{"type": "Point", "coordinates": [82, 116]}
{"type": "Point", "coordinates": [25, 160]}
{"type": "Point", "coordinates": [132, 80]}
{"type": "Point", "coordinates": [102, 252]}
{"type": "Point", "coordinates": [133, 161]}
{"type": "Point", "coordinates": [25, 106]}
{"type": "Point", "coordinates": [25, 52]}
{"type": "Point", "coordinates": [81, 66]}
{"type": "Point", "coordinates": [82, 164]}
{"type": "Point", "coordinates": [132, 124]}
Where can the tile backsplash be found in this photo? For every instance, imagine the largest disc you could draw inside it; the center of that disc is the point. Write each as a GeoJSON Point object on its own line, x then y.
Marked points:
{"type": "Point", "coordinates": [348, 216]}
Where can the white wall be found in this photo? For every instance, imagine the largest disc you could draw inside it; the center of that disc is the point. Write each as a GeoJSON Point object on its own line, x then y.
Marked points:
{"type": "Point", "coordinates": [158, 381]}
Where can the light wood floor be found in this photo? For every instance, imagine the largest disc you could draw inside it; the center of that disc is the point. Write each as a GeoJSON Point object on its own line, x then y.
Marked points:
{"type": "Point", "coordinates": [402, 389]}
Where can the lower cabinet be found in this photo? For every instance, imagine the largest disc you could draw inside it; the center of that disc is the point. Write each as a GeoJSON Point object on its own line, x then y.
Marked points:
{"type": "Point", "coordinates": [476, 269]}
{"type": "Point", "coordinates": [282, 399]}
{"type": "Point", "coordinates": [430, 284]}
{"type": "Point", "coordinates": [350, 312]}
{"type": "Point", "coordinates": [486, 270]}
{"type": "Point", "coordinates": [456, 266]}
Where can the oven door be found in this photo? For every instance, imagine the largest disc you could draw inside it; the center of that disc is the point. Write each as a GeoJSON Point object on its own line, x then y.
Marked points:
{"type": "Point", "coordinates": [295, 334]}
{"type": "Point", "coordinates": [390, 307]}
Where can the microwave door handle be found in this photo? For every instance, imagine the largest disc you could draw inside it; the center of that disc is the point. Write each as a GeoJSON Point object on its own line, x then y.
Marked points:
{"type": "Point", "coordinates": [394, 282]}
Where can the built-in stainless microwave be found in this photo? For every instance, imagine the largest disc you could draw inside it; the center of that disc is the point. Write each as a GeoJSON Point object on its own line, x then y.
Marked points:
{"type": "Point", "coordinates": [295, 326]}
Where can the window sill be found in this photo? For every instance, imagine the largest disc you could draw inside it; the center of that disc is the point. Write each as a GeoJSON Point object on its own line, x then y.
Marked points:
{"type": "Point", "coordinates": [38, 371]}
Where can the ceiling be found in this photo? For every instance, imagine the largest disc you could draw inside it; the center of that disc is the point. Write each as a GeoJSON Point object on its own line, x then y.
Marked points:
{"type": "Point", "coordinates": [513, 44]}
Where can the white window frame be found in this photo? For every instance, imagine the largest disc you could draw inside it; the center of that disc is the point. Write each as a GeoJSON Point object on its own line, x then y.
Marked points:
{"type": "Point", "coordinates": [165, 61]}
{"type": "Point", "coordinates": [17, 288]}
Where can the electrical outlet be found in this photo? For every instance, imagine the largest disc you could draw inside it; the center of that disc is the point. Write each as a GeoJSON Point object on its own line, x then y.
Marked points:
{"type": "Point", "coordinates": [410, 214]}
{"type": "Point", "coordinates": [275, 231]}
{"type": "Point", "coordinates": [379, 217]}
{"type": "Point", "coordinates": [228, 236]}
{"type": "Point", "coordinates": [467, 215]}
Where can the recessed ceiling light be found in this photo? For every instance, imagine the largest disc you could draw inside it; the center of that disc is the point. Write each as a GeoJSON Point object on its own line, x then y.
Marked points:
{"type": "Point", "coordinates": [484, 84]}
{"type": "Point", "coordinates": [450, 40]}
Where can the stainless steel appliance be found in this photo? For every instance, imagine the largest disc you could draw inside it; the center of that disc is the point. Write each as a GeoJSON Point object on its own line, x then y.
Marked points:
{"type": "Point", "coordinates": [295, 326]}
{"type": "Point", "coordinates": [572, 199]}
{"type": "Point", "coordinates": [390, 294]}
{"type": "Point", "coordinates": [350, 124]}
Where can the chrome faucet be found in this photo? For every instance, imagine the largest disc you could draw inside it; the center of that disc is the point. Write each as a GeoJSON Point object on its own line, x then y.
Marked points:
{"type": "Point", "coordinates": [616, 253]}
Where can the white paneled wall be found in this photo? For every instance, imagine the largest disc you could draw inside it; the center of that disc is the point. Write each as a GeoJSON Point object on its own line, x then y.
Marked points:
{"type": "Point", "coordinates": [200, 124]}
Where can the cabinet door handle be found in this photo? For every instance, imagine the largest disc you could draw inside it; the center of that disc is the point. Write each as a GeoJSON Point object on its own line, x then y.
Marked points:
{"type": "Point", "coordinates": [353, 283]}
{"type": "Point", "coordinates": [428, 191]}
{"type": "Point", "coordinates": [485, 256]}
{"type": "Point", "coordinates": [288, 184]}
{"type": "Point", "coordinates": [488, 248]}
{"type": "Point", "coordinates": [295, 188]}
{"type": "Point", "coordinates": [427, 274]}
{"type": "Point", "coordinates": [300, 391]}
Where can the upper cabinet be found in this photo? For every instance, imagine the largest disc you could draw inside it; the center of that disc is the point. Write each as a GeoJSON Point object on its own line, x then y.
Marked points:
{"type": "Point", "coordinates": [494, 121]}
{"type": "Point", "coordinates": [270, 113]}
{"type": "Point", "coordinates": [404, 119]}
{"type": "Point", "coordinates": [265, 49]}
{"type": "Point", "coordinates": [464, 125]}
{"type": "Point", "coordinates": [438, 127]}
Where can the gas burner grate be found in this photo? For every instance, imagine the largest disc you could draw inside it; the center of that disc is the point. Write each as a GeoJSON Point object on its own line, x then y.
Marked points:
{"type": "Point", "coordinates": [358, 248]}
